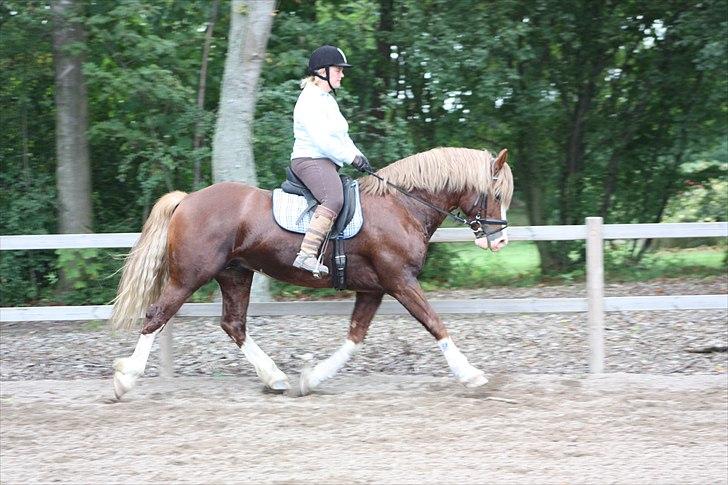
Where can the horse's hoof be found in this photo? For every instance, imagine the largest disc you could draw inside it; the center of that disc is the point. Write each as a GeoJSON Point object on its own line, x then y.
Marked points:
{"type": "Point", "coordinates": [123, 383]}
{"type": "Point", "coordinates": [475, 380]}
{"type": "Point", "coordinates": [280, 385]}
{"type": "Point", "coordinates": [304, 384]}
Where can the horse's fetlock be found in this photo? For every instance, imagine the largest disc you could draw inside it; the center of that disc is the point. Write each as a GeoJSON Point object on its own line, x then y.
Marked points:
{"type": "Point", "coordinates": [128, 367]}
{"type": "Point", "coordinates": [234, 330]}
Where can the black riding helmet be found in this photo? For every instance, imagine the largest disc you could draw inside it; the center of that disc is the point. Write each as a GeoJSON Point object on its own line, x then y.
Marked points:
{"type": "Point", "coordinates": [325, 57]}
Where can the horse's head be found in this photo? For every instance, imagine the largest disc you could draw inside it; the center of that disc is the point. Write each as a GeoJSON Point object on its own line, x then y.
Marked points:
{"type": "Point", "coordinates": [485, 210]}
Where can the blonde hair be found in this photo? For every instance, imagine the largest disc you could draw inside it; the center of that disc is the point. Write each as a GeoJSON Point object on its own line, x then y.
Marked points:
{"type": "Point", "coordinates": [306, 81]}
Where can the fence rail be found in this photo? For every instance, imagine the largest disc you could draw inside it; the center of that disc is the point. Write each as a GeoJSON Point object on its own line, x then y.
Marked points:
{"type": "Point", "coordinates": [595, 303]}
{"type": "Point", "coordinates": [391, 307]}
{"type": "Point", "coordinates": [524, 233]}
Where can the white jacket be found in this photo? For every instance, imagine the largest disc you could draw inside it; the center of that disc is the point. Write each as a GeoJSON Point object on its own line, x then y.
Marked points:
{"type": "Point", "coordinates": [319, 128]}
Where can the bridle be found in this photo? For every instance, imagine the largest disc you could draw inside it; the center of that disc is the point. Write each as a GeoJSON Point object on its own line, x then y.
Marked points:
{"type": "Point", "coordinates": [477, 224]}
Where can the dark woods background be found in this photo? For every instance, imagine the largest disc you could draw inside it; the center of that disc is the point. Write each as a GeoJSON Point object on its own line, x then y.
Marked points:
{"type": "Point", "coordinates": [609, 108]}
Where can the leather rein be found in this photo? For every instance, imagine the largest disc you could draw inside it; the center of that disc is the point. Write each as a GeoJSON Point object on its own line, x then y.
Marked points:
{"type": "Point", "coordinates": [477, 224]}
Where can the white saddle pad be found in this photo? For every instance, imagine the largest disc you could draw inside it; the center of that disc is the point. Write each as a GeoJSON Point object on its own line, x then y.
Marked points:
{"type": "Point", "coordinates": [287, 209]}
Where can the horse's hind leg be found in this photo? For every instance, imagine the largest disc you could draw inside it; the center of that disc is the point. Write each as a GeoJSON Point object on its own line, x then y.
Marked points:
{"type": "Point", "coordinates": [365, 307]}
{"type": "Point", "coordinates": [235, 286]}
{"type": "Point", "coordinates": [128, 369]}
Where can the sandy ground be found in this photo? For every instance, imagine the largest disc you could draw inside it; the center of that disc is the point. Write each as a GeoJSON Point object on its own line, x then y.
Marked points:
{"type": "Point", "coordinates": [379, 428]}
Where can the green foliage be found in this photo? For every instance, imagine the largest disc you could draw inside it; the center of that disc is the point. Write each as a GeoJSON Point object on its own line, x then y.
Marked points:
{"type": "Point", "coordinates": [22, 276]}
{"type": "Point", "coordinates": [143, 81]}
{"type": "Point", "coordinates": [91, 275]}
{"type": "Point", "coordinates": [80, 266]}
{"type": "Point", "coordinates": [704, 195]}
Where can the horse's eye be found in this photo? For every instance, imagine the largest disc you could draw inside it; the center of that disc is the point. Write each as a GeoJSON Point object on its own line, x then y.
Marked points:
{"type": "Point", "coordinates": [498, 198]}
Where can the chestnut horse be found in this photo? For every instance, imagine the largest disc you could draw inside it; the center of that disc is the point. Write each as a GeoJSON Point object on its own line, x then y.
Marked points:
{"type": "Point", "coordinates": [226, 231]}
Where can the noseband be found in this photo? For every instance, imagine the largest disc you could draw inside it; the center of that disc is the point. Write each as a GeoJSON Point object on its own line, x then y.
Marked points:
{"type": "Point", "coordinates": [476, 224]}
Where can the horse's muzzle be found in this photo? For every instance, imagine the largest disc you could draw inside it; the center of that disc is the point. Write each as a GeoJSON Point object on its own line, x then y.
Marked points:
{"type": "Point", "coordinates": [495, 236]}
{"type": "Point", "coordinates": [494, 241]}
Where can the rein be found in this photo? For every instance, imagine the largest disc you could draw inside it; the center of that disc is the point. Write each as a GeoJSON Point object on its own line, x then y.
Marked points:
{"type": "Point", "coordinates": [475, 224]}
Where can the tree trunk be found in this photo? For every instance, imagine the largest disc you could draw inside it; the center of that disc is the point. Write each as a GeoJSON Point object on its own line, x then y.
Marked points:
{"type": "Point", "coordinates": [383, 65]}
{"type": "Point", "coordinates": [232, 147]}
{"type": "Point", "coordinates": [73, 170]}
{"type": "Point", "coordinates": [197, 142]}
{"type": "Point", "coordinates": [73, 167]}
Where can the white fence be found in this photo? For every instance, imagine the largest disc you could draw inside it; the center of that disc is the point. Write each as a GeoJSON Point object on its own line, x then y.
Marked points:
{"type": "Point", "coordinates": [595, 304]}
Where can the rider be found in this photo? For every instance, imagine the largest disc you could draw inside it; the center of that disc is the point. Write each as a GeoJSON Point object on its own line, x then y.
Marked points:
{"type": "Point", "coordinates": [321, 147]}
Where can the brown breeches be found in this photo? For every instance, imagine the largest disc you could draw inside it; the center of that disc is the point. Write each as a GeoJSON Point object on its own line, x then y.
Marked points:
{"type": "Point", "coordinates": [321, 176]}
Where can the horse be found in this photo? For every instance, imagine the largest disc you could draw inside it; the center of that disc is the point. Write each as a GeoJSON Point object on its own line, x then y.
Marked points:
{"type": "Point", "coordinates": [226, 232]}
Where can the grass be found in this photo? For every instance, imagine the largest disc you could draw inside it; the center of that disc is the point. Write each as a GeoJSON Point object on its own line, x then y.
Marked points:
{"type": "Point", "coordinates": [468, 266]}
{"type": "Point", "coordinates": [669, 263]}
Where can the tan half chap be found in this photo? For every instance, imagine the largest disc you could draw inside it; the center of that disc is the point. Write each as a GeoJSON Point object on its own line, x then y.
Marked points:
{"type": "Point", "coordinates": [321, 176]}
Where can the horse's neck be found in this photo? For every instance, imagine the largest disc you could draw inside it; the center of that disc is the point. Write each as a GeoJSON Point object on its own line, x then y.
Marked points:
{"type": "Point", "coordinates": [430, 218]}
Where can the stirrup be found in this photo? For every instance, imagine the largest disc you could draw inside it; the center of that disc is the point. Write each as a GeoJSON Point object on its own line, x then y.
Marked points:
{"type": "Point", "coordinates": [310, 263]}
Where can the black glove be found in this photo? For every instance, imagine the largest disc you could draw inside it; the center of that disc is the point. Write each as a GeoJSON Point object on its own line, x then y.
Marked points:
{"type": "Point", "coordinates": [362, 164]}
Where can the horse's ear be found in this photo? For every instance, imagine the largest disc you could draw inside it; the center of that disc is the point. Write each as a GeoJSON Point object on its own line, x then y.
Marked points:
{"type": "Point", "coordinates": [501, 159]}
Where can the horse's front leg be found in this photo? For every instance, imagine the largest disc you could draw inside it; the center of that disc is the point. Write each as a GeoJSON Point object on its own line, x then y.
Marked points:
{"type": "Point", "coordinates": [365, 306]}
{"type": "Point", "coordinates": [235, 287]}
{"type": "Point", "coordinates": [411, 296]}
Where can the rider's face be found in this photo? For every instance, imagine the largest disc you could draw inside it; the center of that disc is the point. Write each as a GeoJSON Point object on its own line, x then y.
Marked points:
{"type": "Point", "coordinates": [336, 73]}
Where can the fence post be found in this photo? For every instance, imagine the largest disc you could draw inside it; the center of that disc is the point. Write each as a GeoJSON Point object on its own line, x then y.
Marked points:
{"type": "Point", "coordinates": [595, 292]}
{"type": "Point", "coordinates": [166, 351]}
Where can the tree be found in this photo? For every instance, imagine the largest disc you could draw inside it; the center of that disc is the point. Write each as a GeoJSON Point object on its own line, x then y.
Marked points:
{"type": "Point", "coordinates": [606, 107]}
{"type": "Point", "coordinates": [201, 88]}
{"type": "Point", "coordinates": [27, 147]}
{"type": "Point", "coordinates": [73, 171]}
{"type": "Point", "coordinates": [232, 149]}
{"type": "Point", "coordinates": [73, 164]}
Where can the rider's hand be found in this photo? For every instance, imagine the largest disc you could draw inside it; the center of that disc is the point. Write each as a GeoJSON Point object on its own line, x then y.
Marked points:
{"type": "Point", "coordinates": [362, 164]}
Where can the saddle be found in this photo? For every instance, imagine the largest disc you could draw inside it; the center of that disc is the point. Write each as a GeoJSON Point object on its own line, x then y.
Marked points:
{"type": "Point", "coordinates": [293, 206]}
{"type": "Point", "coordinates": [294, 185]}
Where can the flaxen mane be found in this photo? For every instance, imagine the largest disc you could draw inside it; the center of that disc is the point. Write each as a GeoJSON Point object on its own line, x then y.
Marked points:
{"type": "Point", "coordinates": [439, 169]}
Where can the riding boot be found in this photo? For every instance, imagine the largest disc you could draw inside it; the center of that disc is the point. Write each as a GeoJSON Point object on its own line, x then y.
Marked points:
{"type": "Point", "coordinates": [321, 223]}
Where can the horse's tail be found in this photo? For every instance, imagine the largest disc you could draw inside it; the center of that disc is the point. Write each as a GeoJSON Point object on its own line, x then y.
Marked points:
{"type": "Point", "coordinates": [146, 269]}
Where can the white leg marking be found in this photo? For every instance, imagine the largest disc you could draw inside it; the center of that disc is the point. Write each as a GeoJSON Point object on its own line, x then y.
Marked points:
{"type": "Point", "coordinates": [128, 369]}
{"type": "Point", "coordinates": [461, 368]}
{"type": "Point", "coordinates": [266, 369]}
{"type": "Point", "coordinates": [328, 368]}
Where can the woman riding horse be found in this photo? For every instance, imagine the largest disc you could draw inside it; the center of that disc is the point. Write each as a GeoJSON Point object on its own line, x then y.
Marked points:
{"type": "Point", "coordinates": [322, 146]}
{"type": "Point", "coordinates": [218, 233]}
